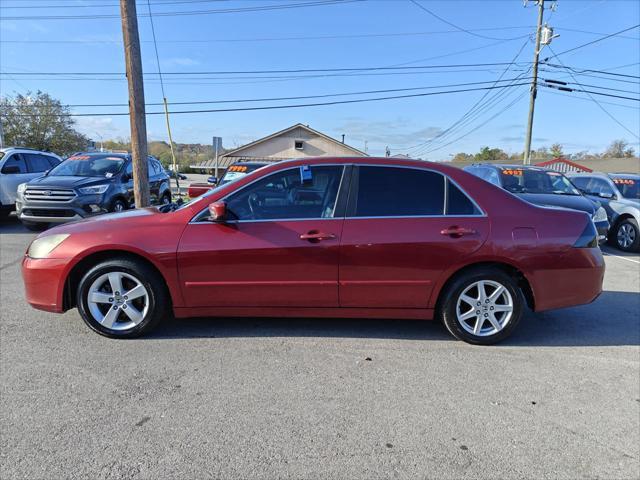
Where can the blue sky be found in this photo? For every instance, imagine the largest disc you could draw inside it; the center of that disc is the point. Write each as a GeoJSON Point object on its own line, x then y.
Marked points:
{"type": "Point", "coordinates": [270, 40]}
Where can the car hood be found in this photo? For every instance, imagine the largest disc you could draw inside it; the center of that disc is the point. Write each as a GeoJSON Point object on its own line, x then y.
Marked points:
{"type": "Point", "coordinates": [62, 181]}
{"type": "Point", "coordinates": [574, 202]}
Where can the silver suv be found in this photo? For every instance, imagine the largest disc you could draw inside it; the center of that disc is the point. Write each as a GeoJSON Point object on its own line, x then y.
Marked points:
{"type": "Point", "coordinates": [619, 194]}
{"type": "Point", "coordinates": [19, 165]}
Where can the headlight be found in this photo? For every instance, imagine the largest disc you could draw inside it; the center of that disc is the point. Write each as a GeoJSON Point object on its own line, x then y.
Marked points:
{"type": "Point", "coordinates": [96, 189]}
{"type": "Point", "coordinates": [600, 215]}
{"type": "Point", "coordinates": [22, 187]}
{"type": "Point", "coordinates": [41, 247]}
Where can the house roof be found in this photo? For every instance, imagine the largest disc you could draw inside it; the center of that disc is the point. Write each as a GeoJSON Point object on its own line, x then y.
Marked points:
{"type": "Point", "coordinates": [237, 151]}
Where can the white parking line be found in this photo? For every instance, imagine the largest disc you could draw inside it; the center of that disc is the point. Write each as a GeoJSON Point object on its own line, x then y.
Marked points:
{"type": "Point", "coordinates": [620, 257]}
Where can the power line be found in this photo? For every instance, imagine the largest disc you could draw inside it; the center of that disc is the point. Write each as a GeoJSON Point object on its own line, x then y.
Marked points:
{"type": "Point", "coordinates": [594, 100]}
{"type": "Point", "coordinates": [457, 27]}
{"type": "Point", "coordinates": [478, 127]}
{"type": "Point", "coordinates": [303, 97]}
{"type": "Point", "coordinates": [262, 8]}
{"type": "Point", "coordinates": [591, 42]}
{"type": "Point", "coordinates": [297, 70]}
{"type": "Point", "coordinates": [267, 39]}
{"type": "Point", "coordinates": [604, 72]}
{"type": "Point", "coordinates": [445, 132]}
{"type": "Point", "coordinates": [567, 89]}
{"type": "Point", "coordinates": [567, 95]}
{"type": "Point", "coordinates": [94, 5]}
{"type": "Point", "coordinates": [278, 107]}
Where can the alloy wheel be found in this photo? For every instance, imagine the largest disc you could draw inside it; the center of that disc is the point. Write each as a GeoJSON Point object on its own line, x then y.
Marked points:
{"type": "Point", "coordinates": [118, 301]}
{"type": "Point", "coordinates": [484, 308]}
{"type": "Point", "coordinates": [118, 207]}
{"type": "Point", "coordinates": [626, 235]}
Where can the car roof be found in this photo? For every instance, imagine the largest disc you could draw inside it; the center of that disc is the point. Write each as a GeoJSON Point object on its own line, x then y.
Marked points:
{"type": "Point", "coordinates": [251, 163]}
{"type": "Point", "coordinates": [126, 156]}
{"type": "Point", "coordinates": [509, 165]}
{"type": "Point", "coordinates": [624, 175]}
{"type": "Point", "coordinates": [27, 149]}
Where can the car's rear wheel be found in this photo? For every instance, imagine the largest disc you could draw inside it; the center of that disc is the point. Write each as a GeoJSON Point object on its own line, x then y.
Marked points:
{"type": "Point", "coordinates": [482, 306]}
{"type": "Point", "coordinates": [122, 298]}
{"type": "Point", "coordinates": [627, 235]}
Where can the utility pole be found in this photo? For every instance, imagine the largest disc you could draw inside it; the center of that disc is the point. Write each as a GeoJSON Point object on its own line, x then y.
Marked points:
{"type": "Point", "coordinates": [136, 102]}
{"type": "Point", "coordinates": [534, 87]}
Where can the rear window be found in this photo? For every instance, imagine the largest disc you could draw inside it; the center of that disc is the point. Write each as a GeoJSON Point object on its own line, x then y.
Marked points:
{"type": "Point", "coordinates": [397, 192]}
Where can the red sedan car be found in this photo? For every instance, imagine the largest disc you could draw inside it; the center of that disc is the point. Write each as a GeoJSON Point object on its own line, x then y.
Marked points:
{"type": "Point", "coordinates": [324, 237]}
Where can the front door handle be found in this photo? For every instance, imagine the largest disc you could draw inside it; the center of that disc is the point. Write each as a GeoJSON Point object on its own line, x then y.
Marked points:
{"type": "Point", "coordinates": [316, 236]}
{"type": "Point", "coordinates": [457, 232]}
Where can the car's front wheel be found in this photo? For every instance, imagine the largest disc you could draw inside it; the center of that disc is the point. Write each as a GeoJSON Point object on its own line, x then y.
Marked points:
{"type": "Point", "coordinates": [482, 306]}
{"type": "Point", "coordinates": [627, 235]}
{"type": "Point", "coordinates": [122, 298]}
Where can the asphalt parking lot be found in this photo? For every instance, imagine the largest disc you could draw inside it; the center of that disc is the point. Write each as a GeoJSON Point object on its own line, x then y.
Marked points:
{"type": "Point", "coordinates": [268, 398]}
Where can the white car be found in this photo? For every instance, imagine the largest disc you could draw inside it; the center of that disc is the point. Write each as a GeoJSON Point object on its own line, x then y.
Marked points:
{"type": "Point", "coordinates": [19, 165]}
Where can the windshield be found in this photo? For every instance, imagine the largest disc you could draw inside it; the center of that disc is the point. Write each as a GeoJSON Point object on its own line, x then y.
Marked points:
{"type": "Point", "coordinates": [234, 172]}
{"type": "Point", "coordinates": [521, 180]}
{"type": "Point", "coordinates": [89, 166]}
{"type": "Point", "coordinates": [628, 187]}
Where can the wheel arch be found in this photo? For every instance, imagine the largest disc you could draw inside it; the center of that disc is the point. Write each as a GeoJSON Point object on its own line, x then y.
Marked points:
{"type": "Point", "coordinates": [79, 268]}
{"type": "Point", "coordinates": [517, 274]}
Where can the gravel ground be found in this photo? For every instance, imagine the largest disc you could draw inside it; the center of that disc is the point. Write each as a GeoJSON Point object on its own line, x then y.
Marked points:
{"type": "Point", "coordinates": [274, 398]}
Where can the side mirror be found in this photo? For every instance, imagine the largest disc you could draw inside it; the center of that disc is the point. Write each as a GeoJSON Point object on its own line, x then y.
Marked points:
{"type": "Point", "coordinates": [217, 211]}
{"type": "Point", "coordinates": [606, 195]}
{"type": "Point", "coordinates": [213, 180]}
{"type": "Point", "coordinates": [125, 177]}
{"type": "Point", "coordinates": [11, 169]}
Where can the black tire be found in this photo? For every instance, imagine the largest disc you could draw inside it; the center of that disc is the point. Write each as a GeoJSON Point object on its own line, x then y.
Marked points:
{"type": "Point", "coordinates": [158, 298]}
{"type": "Point", "coordinates": [448, 305]}
{"type": "Point", "coordinates": [118, 205]}
{"type": "Point", "coordinates": [35, 227]}
{"type": "Point", "coordinates": [624, 229]}
{"type": "Point", "coordinates": [166, 198]}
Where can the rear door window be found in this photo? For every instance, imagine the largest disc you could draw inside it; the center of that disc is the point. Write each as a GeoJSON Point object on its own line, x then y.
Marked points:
{"type": "Point", "coordinates": [396, 192]}
{"type": "Point", "coordinates": [15, 160]}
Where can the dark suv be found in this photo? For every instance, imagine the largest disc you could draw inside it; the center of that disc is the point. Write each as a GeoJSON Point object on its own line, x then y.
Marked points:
{"type": "Point", "coordinates": [83, 185]}
{"type": "Point", "coordinates": [543, 187]}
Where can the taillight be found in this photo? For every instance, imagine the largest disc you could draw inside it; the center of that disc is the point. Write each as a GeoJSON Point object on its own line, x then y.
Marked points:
{"type": "Point", "coordinates": [588, 238]}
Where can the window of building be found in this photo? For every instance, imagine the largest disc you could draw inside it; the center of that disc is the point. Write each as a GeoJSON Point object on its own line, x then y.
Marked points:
{"type": "Point", "coordinates": [298, 144]}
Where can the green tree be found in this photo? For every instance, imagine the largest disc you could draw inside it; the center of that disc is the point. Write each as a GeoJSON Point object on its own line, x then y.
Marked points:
{"type": "Point", "coordinates": [462, 157]}
{"type": "Point", "coordinates": [556, 150]}
{"type": "Point", "coordinates": [40, 121]}
{"type": "Point", "coordinates": [487, 154]}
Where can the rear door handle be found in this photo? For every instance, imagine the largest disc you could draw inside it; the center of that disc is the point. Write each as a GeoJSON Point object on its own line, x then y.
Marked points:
{"type": "Point", "coordinates": [316, 236]}
{"type": "Point", "coordinates": [457, 232]}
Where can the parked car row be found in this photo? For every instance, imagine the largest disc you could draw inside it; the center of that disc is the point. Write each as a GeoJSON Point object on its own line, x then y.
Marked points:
{"type": "Point", "coordinates": [619, 194]}
{"type": "Point", "coordinates": [83, 185]}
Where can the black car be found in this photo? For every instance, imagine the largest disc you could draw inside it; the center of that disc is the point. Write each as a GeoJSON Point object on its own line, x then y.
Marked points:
{"type": "Point", "coordinates": [86, 184]}
{"type": "Point", "coordinates": [543, 187]}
